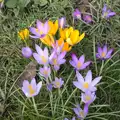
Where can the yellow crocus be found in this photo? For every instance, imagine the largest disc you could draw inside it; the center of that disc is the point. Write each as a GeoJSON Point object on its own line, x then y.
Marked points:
{"type": "Point", "coordinates": [66, 46]}
{"type": "Point", "coordinates": [53, 27]}
{"type": "Point", "coordinates": [48, 40]}
{"type": "Point", "coordinates": [23, 34]}
{"type": "Point", "coordinates": [71, 36]}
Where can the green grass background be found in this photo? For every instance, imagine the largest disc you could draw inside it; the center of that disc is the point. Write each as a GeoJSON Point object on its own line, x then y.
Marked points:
{"type": "Point", "coordinates": [15, 106]}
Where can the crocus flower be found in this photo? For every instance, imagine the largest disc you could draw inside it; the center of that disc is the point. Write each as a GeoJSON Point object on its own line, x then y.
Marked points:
{"type": "Point", "coordinates": [71, 119]}
{"type": "Point", "coordinates": [88, 97]}
{"type": "Point", "coordinates": [45, 71]}
{"type": "Point", "coordinates": [57, 60]}
{"type": "Point", "coordinates": [58, 83]}
{"type": "Point", "coordinates": [31, 89]}
{"type": "Point", "coordinates": [77, 14]}
{"type": "Point", "coordinates": [79, 64]}
{"type": "Point", "coordinates": [41, 56]}
{"type": "Point", "coordinates": [71, 36]}
{"type": "Point", "coordinates": [24, 34]}
{"type": "Point", "coordinates": [81, 113]}
{"type": "Point", "coordinates": [107, 13]}
{"type": "Point", "coordinates": [62, 22]}
{"type": "Point", "coordinates": [87, 18]}
{"type": "Point", "coordinates": [1, 3]}
{"type": "Point", "coordinates": [48, 40]}
{"type": "Point", "coordinates": [49, 87]}
{"type": "Point", "coordinates": [41, 30]}
{"type": "Point", "coordinates": [26, 52]}
{"type": "Point", "coordinates": [86, 84]}
{"type": "Point", "coordinates": [104, 53]}
{"type": "Point", "coordinates": [53, 27]}
{"type": "Point", "coordinates": [65, 46]}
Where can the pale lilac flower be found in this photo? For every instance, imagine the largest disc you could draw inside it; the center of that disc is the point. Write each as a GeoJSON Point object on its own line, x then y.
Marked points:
{"type": "Point", "coordinates": [26, 52]}
{"type": "Point", "coordinates": [86, 84]}
{"type": "Point", "coordinates": [57, 60]}
{"type": "Point", "coordinates": [79, 64]}
{"type": "Point", "coordinates": [88, 97]}
{"type": "Point", "coordinates": [87, 18]}
{"type": "Point", "coordinates": [1, 4]}
{"type": "Point", "coordinates": [31, 89]}
{"type": "Point", "coordinates": [41, 30]}
{"type": "Point", "coordinates": [77, 14]}
{"type": "Point", "coordinates": [58, 83]}
{"type": "Point", "coordinates": [81, 113]}
{"type": "Point", "coordinates": [41, 56]}
{"type": "Point", "coordinates": [57, 49]}
{"type": "Point", "coordinates": [45, 71]}
{"type": "Point", "coordinates": [62, 22]}
{"type": "Point", "coordinates": [49, 87]}
{"type": "Point", "coordinates": [107, 13]}
{"type": "Point", "coordinates": [104, 53]}
{"type": "Point", "coordinates": [71, 119]}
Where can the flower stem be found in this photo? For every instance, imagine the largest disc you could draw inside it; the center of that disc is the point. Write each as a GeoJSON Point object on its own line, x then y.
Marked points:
{"type": "Point", "coordinates": [35, 106]}
{"type": "Point", "coordinates": [101, 69]}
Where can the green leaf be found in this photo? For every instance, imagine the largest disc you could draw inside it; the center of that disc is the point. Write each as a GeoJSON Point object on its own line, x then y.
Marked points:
{"type": "Point", "coordinates": [11, 3]}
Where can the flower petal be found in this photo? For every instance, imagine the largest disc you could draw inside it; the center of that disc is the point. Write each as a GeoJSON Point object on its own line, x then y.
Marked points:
{"type": "Point", "coordinates": [88, 77]}
{"type": "Point", "coordinates": [85, 65]}
{"type": "Point", "coordinates": [79, 77]}
{"type": "Point", "coordinates": [37, 57]}
{"type": "Point", "coordinates": [74, 58]}
{"type": "Point", "coordinates": [72, 63]}
{"type": "Point", "coordinates": [105, 49]}
{"type": "Point", "coordinates": [109, 53]}
{"type": "Point", "coordinates": [77, 84]}
{"type": "Point", "coordinates": [82, 59]}
{"type": "Point", "coordinates": [100, 51]}
{"type": "Point", "coordinates": [38, 49]}
{"type": "Point", "coordinates": [95, 81]}
{"type": "Point", "coordinates": [39, 85]}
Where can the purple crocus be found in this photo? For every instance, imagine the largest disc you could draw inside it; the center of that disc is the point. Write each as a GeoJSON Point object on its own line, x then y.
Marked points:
{"type": "Point", "coordinates": [45, 71]}
{"type": "Point", "coordinates": [104, 53]}
{"type": "Point", "coordinates": [77, 14]}
{"type": "Point", "coordinates": [26, 52]}
{"type": "Point", "coordinates": [86, 84]}
{"type": "Point", "coordinates": [41, 56]}
{"type": "Point", "coordinates": [87, 18]}
{"type": "Point", "coordinates": [49, 87]}
{"type": "Point", "coordinates": [107, 13]}
{"type": "Point", "coordinates": [31, 89]}
{"type": "Point", "coordinates": [79, 64]}
{"type": "Point", "coordinates": [57, 60]}
{"type": "Point", "coordinates": [58, 83]}
{"type": "Point", "coordinates": [41, 29]}
{"type": "Point", "coordinates": [81, 114]}
{"type": "Point", "coordinates": [71, 119]}
{"type": "Point", "coordinates": [62, 22]}
{"type": "Point", "coordinates": [88, 97]}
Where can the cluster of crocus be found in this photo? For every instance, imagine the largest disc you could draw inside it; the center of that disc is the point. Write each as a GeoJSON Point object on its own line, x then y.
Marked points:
{"type": "Point", "coordinates": [85, 17]}
{"type": "Point", "coordinates": [106, 14]}
{"type": "Point", "coordinates": [88, 88]}
{"type": "Point", "coordinates": [55, 60]}
{"type": "Point", "coordinates": [50, 60]}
